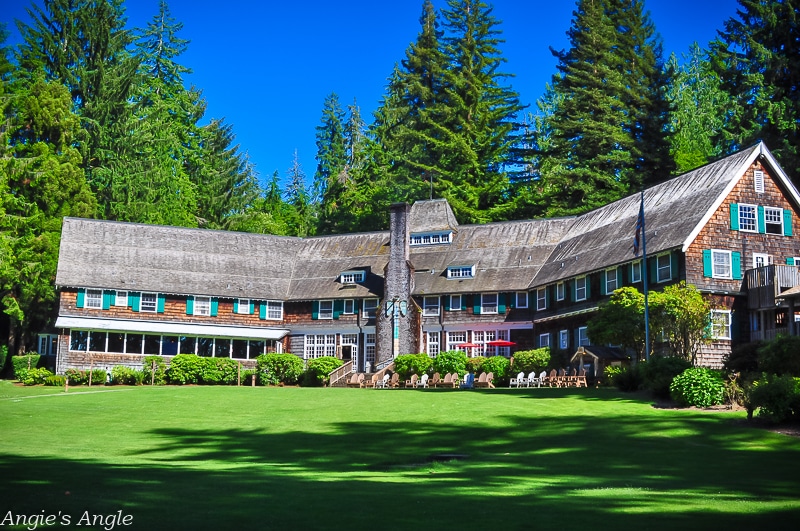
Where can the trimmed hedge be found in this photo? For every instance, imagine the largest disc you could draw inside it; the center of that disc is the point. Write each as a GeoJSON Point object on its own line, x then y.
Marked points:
{"type": "Point", "coordinates": [319, 369]}
{"type": "Point", "coordinates": [22, 364]}
{"type": "Point", "coordinates": [699, 387]}
{"type": "Point", "coordinates": [408, 364]}
{"type": "Point", "coordinates": [777, 398]}
{"type": "Point", "coordinates": [159, 377]}
{"type": "Point", "coordinates": [528, 361]}
{"type": "Point", "coordinates": [274, 369]}
{"type": "Point", "coordinates": [449, 362]}
{"type": "Point", "coordinates": [193, 369]}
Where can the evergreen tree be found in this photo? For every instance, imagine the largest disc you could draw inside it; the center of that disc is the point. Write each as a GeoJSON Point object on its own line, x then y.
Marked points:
{"type": "Point", "coordinates": [296, 194]}
{"type": "Point", "coordinates": [758, 58]}
{"type": "Point", "coordinates": [698, 111]}
{"type": "Point", "coordinates": [611, 110]}
{"type": "Point", "coordinates": [331, 163]}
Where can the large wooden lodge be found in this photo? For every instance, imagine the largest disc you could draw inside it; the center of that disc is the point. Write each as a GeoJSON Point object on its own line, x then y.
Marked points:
{"type": "Point", "coordinates": [429, 284]}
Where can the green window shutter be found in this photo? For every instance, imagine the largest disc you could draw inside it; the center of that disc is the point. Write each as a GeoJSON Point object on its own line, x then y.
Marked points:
{"type": "Point", "coordinates": [464, 302]}
{"type": "Point", "coordinates": [447, 303]}
{"type": "Point", "coordinates": [476, 304]}
{"type": "Point", "coordinates": [80, 301]}
{"type": "Point", "coordinates": [707, 267]}
{"type": "Point", "coordinates": [588, 287]}
{"type": "Point", "coordinates": [315, 310]}
{"type": "Point", "coordinates": [338, 308]}
{"type": "Point", "coordinates": [736, 265]}
{"type": "Point", "coordinates": [734, 216]}
{"type": "Point", "coordinates": [160, 302]}
{"type": "Point", "coordinates": [790, 260]}
{"type": "Point", "coordinates": [214, 306]}
{"type": "Point", "coordinates": [620, 276]}
{"type": "Point", "coordinates": [235, 305]}
{"type": "Point", "coordinates": [107, 298]}
{"type": "Point", "coordinates": [673, 270]}
{"type": "Point", "coordinates": [356, 306]}
{"type": "Point", "coordinates": [262, 310]}
{"type": "Point", "coordinates": [787, 222]}
{"type": "Point", "coordinates": [134, 299]}
{"type": "Point", "coordinates": [762, 227]}
{"type": "Point", "coordinates": [512, 298]}
{"type": "Point", "coordinates": [653, 271]}
{"type": "Point", "coordinates": [501, 303]}
{"type": "Point", "coordinates": [252, 307]}
{"type": "Point", "coordinates": [189, 305]}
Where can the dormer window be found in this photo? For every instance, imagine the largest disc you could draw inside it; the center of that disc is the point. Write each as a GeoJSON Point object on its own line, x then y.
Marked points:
{"type": "Point", "coordinates": [431, 238]}
{"type": "Point", "coordinates": [352, 277]}
{"type": "Point", "coordinates": [461, 272]}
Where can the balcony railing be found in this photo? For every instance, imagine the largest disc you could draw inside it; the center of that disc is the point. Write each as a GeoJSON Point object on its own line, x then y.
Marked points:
{"type": "Point", "coordinates": [765, 283]}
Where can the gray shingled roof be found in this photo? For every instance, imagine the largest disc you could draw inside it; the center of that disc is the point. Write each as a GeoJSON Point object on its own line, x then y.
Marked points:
{"type": "Point", "coordinates": [434, 215]}
{"type": "Point", "coordinates": [673, 210]}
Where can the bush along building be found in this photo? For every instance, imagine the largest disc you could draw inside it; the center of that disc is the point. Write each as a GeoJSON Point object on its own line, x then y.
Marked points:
{"type": "Point", "coordinates": [430, 284]}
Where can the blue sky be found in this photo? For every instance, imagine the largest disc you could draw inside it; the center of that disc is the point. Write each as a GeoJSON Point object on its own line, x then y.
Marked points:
{"type": "Point", "coordinates": [266, 66]}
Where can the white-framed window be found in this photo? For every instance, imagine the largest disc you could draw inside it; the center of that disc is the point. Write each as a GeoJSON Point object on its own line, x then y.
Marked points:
{"type": "Point", "coordinates": [149, 302]}
{"type": "Point", "coordinates": [544, 340]}
{"type": "Point", "coordinates": [430, 306]}
{"type": "Point", "coordinates": [580, 288]}
{"type": "Point", "coordinates": [202, 306]}
{"type": "Point", "coordinates": [522, 299]}
{"type": "Point", "coordinates": [663, 268]}
{"type": "Point", "coordinates": [370, 307]}
{"type": "Point", "coordinates": [758, 181]}
{"type": "Point", "coordinates": [761, 260]}
{"type": "Point", "coordinates": [720, 264]}
{"type": "Point", "coordinates": [561, 291]}
{"type": "Point", "coordinates": [274, 310]}
{"type": "Point", "coordinates": [352, 277]}
{"type": "Point", "coordinates": [721, 324]}
{"type": "Point", "coordinates": [455, 303]}
{"type": "Point", "coordinates": [583, 336]}
{"type": "Point", "coordinates": [488, 303]}
{"type": "Point", "coordinates": [773, 220]}
{"type": "Point", "coordinates": [541, 298]}
{"type": "Point", "coordinates": [318, 345]}
{"type": "Point", "coordinates": [243, 306]}
{"type": "Point", "coordinates": [325, 310]}
{"type": "Point", "coordinates": [563, 339]}
{"type": "Point", "coordinates": [611, 280]}
{"type": "Point", "coordinates": [748, 218]}
{"type": "Point", "coordinates": [432, 238]}
{"type": "Point", "coordinates": [94, 299]}
{"type": "Point", "coordinates": [456, 338]}
{"type": "Point", "coordinates": [121, 298]}
{"type": "Point", "coordinates": [433, 344]}
{"type": "Point", "coordinates": [461, 272]}
{"type": "Point", "coordinates": [636, 271]}
{"type": "Point", "coordinates": [349, 307]}
{"type": "Point", "coordinates": [369, 348]}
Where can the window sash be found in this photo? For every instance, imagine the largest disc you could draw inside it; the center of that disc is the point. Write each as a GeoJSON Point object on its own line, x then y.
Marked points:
{"type": "Point", "coordinates": [563, 339]}
{"type": "Point", "coordinates": [636, 271]}
{"type": "Point", "coordinates": [455, 303]}
{"type": "Point", "coordinates": [583, 337]}
{"type": "Point", "coordinates": [663, 268]}
{"type": "Point", "coordinates": [522, 299]}
{"type": "Point", "coordinates": [349, 307]}
{"type": "Point", "coordinates": [94, 299]}
{"type": "Point", "coordinates": [721, 264]}
{"type": "Point", "coordinates": [580, 289]}
{"type": "Point", "coordinates": [325, 310]}
{"type": "Point", "coordinates": [773, 220]}
{"type": "Point", "coordinates": [370, 308]}
{"type": "Point", "coordinates": [202, 306]}
{"type": "Point", "coordinates": [430, 306]}
{"type": "Point", "coordinates": [121, 298]}
{"type": "Point", "coordinates": [611, 280]}
{"type": "Point", "coordinates": [721, 324]}
{"type": "Point", "coordinates": [433, 344]}
{"type": "Point", "coordinates": [274, 310]}
{"type": "Point", "coordinates": [149, 302]}
{"type": "Point", "coordinates": [243, 306]}
{"type": "Point", "coordinates": [488, 303]}
{"type": "Point", "coordinates": [541, 299]}
{"type": "Point", "coordinates": [560, 291]}
{"type": "Point", "coordinates": [747, 218]}
{"type": "Point", "coordinates": [544, 340]}
{"type": "Point", "coordinates": [460, 272]}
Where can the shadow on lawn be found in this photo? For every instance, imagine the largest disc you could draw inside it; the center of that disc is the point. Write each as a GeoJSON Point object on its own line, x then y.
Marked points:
{"type": "Point", "coordinates": [543, 474]}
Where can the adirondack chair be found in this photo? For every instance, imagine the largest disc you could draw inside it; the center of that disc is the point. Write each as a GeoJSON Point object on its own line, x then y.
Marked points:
{"type": "Point", "coordinates": [561, 378]}
{"type": "Point", "coordinates": [373, 381]}
{"type": "Point", "coordinates": [552, 379]}
{"type": "Point", "coordinates": [581, 379]}
{"type": "Point", "coordinates": [572, 377]}
{"type": "Point", "coordinates": [519, 381]}
{"type": "Point", "coordinates": [423, 381]}
{"type": "Point", "coordinates": [542, 378]}
{"type": "Point", "coordinates": [450, 380]}
{"type": "Point", "coordinates": [383, 382]}
{"type": "Point", "coordinates": [356, 380]}
{"type": "Point", "coordinates": [469, 381]}
{"type": "Point", "coordinates": [484, 381]}
{"type": "Point", "coordinates": [533, 380]}
{"type": "Point", "coordinates": [394, 381]}
{"type": "Point", "coordinates": [435, 380]}
{"type": "Point", "coordinates": [490, 380]}
{"type": "Point", "coordinates": [412, 382]}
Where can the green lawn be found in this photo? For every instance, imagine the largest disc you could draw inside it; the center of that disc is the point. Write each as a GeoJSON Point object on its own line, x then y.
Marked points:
{"type": "Point", "coordinates": [292, 458]}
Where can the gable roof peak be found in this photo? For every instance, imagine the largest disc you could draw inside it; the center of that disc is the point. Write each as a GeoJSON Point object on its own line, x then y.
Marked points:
{"type": "Point", "coordinates": [432, 215]}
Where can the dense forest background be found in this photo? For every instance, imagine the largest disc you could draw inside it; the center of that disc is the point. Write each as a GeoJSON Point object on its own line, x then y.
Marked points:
{"type": "Point", "coordinates": [98, 122]}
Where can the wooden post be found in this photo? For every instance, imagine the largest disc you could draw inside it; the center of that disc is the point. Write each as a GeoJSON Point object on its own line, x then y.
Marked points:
{"type": "Point", "coordinates": [239, 374]}
{"type": "Point", "coordinates": [253, 380]}
{"type": "Point", "coordinates": [91, 367]}
{"type": "Point", "coordinates": [66, 383]}
{"type": "Point", "coordinates": [153, 372]}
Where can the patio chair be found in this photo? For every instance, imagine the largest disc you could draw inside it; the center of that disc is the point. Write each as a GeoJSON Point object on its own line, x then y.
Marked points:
{"type": "Point", "coordinates": [373, 381]}
{"type": "Point", "coordinates": [542, 378]}
{"type": "Point", "coordinates": [449, 380]}
{"type": "Point", "coordinates": [356, 380]}
{"type": "Point", "coordinates": [435, 380]}
{"type": "Point", "coordinates": [572, 377]}
{"type": "Point", "coordinates": [481, 381]}
{"type": "Point", "coordinates": [394, 381]}
{"type": "Point", "coordinates": [422, 382]}
{"type": "Point", "coordinates": [469, 381]}
{"type": "Point", "coordinates": [581, 379]}
{"type": "Point", "coordinates": [412, 382]}
{"type": "Point", "coordinates": [519, 381]}
{"type": "Point", "coordinates": [533, 380]}
{"type": "Point", "coordinates": [552, 379]}
{"type": "Point", "coordinates": [383, 382]}
{"type": "Point", "coordinates": [561, 378]}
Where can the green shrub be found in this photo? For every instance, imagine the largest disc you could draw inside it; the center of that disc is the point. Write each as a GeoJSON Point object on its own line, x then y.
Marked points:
{"type": "Point", "coordinates": [218, 371]}
{"type": "Point", "coordinates": [449, 362]}
{"type": "Point", "coordinates": [247, 376]}
{"type": "Point", "coordinates": [122, 375]}
{"type": "Point", "coordinates": [408, 364]}
{"type": "Point", "coordinates": [319, 369]}
{"type": "Point", "coordinates": [3, 357]}
{"type": "Point", "coordinates": [699, 387]}
{"type": "Point", "coordinates": [57, 380]}
{"type": "Point", "coordinates": [777, 398]}
{"type": "Point", "coordinates": [274, 369]}
{"type": "Point", "coordinates": [474, 364]}
{"type": "Point", "coordinates": [22, 364]}
{"type": "Point", "coordinates": [743, 358]}
{"type": "Point", "coordinates": [76, 377]}
{"type": "Point", "coordinates": [186, 369]}
{"type": "Point", "coordinates": [498, 366]}
{"type": "Point", "coordinates": [780, 356]}
{"type": "Point", "coordinates": [99, 377]}
{"type": "Point", "coordinates": [36, 376]}
{"type": "Point", "coordinates": [528, 361]}
{"type": "Point", "coordinates": [627, 379]}
{"type": "Point", "coordinates": [658, 373]}
{"type": "Point", "coordinates": [610, 375]}
{"type": "Point", "coordinates": [159, 377]}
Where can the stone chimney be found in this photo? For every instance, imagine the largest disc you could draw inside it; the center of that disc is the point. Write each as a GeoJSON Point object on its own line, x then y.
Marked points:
{"type": "Point", "coordinates": [397, 323]}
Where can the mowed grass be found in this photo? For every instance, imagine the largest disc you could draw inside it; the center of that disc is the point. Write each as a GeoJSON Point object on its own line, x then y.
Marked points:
{"type": "Point", "coordinates": [293, 458]}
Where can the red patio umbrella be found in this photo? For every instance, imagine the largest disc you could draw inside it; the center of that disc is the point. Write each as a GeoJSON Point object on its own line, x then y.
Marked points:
{"type": "Point", "coordinates": [468, 345]}
{"type": "Point", "coordinates": [501, 343]}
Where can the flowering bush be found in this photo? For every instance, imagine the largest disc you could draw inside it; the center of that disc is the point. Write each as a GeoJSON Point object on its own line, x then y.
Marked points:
{"type": "Point", "coordinates": [698, 386]}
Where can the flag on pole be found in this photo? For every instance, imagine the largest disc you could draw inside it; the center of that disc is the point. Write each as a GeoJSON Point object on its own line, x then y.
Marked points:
{"type": "Point", "coordinates": [637, 237]}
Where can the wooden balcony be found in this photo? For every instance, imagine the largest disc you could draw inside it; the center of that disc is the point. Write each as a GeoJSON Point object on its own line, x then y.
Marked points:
{"type": "Point", "coordinates": [764, 284]}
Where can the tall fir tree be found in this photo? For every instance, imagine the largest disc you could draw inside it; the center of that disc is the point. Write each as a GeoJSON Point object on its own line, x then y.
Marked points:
{"type": "Point", "coordinates": [757, 56]}
{"type": "Point", "coordinates": [331, 163]}
{"type": "Point", "coordinates": [611, 113]}
{"type": "Point", "coordinates": [301, 222]}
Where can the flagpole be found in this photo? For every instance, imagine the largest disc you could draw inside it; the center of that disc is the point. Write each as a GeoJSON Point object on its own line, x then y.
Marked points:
{"type": "Point", "coordinates": [644, 283]}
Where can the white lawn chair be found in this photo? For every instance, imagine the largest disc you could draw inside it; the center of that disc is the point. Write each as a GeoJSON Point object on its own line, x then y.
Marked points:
{"type": "Point", "coordinates": [519, 381]}
{"type": "Point", "coordinates": [423, 381]}
{"type": "Point", "coordinates": [534, 380]}
{"type": "Point", "coordinates": [383, 382]}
